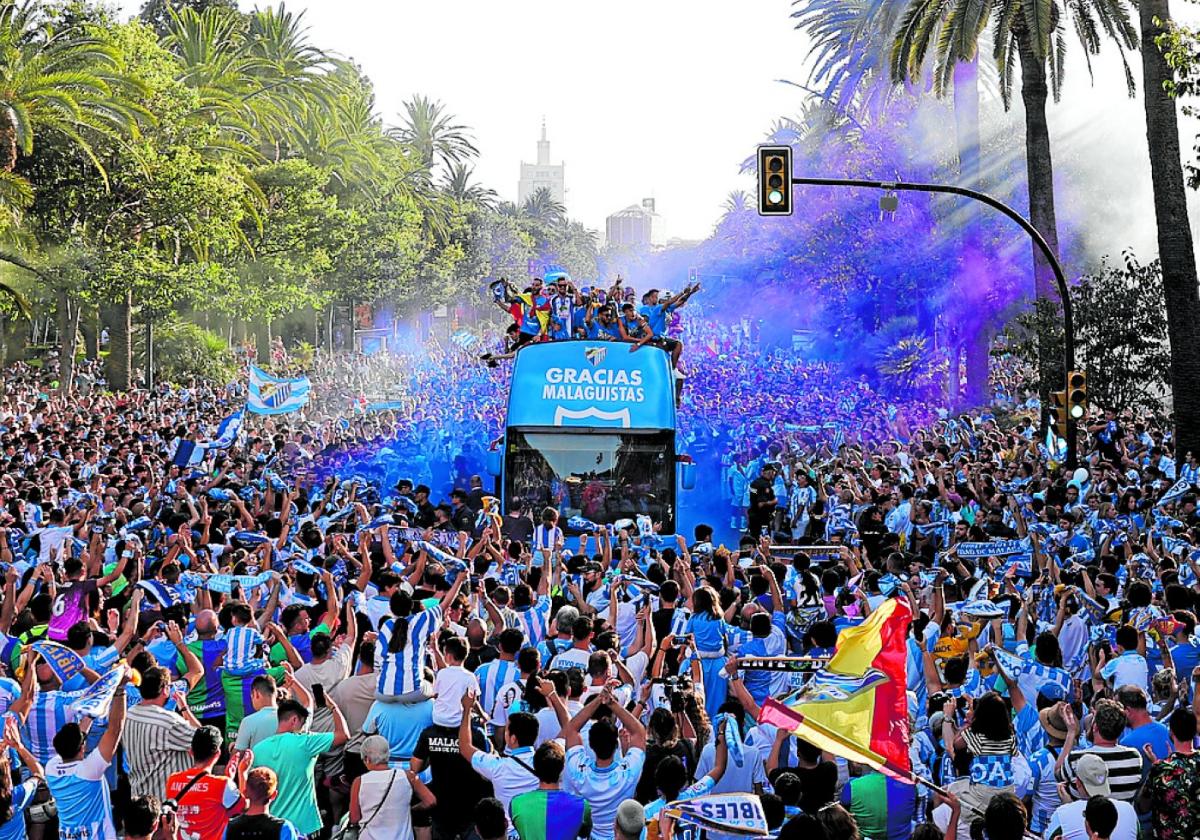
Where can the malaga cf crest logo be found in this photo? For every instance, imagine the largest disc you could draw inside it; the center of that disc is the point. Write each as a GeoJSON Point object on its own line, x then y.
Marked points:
{"type": "Point", "coordinates": [595, 355]}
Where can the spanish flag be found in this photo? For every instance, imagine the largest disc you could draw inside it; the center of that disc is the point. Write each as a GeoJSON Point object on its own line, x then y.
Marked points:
{"type": "Point", "coordinates": [858, 708]}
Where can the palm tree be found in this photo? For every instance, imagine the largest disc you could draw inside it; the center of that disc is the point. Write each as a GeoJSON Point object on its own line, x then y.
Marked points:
{"type": "Point", "coordinates": [466, 191]}
{"type": "Point", "coordinates": [1175, 248]}
{"type": "Point", "coordinates": [541, 209]}
{"type": "Point", "coordinates": [1031, 32]}
{"type": "Point", "coordinates": [432, 135]}
{"type": "Point", "coordinates": [851, 41]}
{"type": "Point", "coordinates": [58, 81]}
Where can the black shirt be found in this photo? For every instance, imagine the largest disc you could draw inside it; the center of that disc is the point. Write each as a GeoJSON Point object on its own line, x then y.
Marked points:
{"type": "Point", "coordinates": [455, 784]}
{"type": "Point", "coordinates": [761, 491]}
{"type": "Point", "coordinates": [256, 827]}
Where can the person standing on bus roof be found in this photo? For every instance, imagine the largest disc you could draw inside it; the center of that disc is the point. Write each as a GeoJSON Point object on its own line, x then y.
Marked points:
{"type": "Point", "coordinates": [561, 307]}
{"type": "Point", "coordinates": [656, 314]}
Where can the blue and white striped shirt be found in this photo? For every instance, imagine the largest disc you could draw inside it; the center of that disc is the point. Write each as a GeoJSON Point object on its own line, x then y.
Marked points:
{"type": "Point", "coordinates": [245, 652]}
{"type": "Point", "coordinates": [492, 677]}
{"type": "Point", "coordinates": [51, 711]}
{"type": "Point", "coordinates": [400, 673]}
{"type": "Point", "coordinates": [534, 621]}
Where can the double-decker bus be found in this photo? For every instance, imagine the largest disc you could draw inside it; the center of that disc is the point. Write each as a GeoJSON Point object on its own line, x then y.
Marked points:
{"type": "Point", "coordinates": [590, 431]}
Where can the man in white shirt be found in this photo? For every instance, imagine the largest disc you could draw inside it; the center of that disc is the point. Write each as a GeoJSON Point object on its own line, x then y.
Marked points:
{"type": "Point", "coordinates": [512, 773]}
{"type": "Point", "coordinates": [1096, 815]}
{"type": "Point", "coordinates": [577, 656]}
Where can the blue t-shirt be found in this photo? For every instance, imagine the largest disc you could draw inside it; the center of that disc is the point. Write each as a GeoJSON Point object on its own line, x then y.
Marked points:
{"type": "Point", "coordinates": [22, 798]}
{"type": "Point", "coordinates": [401, 723]}
{"type": "Point", "coordinates": [656, 317]}
{"type": "Point", "coordinates": [1153, 733]}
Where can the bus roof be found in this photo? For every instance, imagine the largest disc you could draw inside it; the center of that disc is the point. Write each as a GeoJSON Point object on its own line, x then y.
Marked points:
{"type": "Point", "coordinates": [592, 384]}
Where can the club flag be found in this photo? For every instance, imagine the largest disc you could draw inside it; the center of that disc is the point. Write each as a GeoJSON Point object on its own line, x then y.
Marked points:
{"type": "Point", "coordinates": [272, 395]}
{"type": "Point", "coordinates": [64, 662]}
{"type": "Point", "coordinates": [864, 716]}
{"type": "Point", "coordinates": [96, 700]}
{"type": "Point", "coordinates": [228, 431]}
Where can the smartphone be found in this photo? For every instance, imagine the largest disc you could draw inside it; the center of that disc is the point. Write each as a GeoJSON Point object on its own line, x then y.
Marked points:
{"type": "Point", "coordinates": [318, 692]}
{"type": "Point", "coordinates": [681, 640]}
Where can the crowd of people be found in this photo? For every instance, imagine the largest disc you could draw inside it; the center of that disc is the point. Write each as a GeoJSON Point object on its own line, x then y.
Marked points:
{"type": "Point", "coordinates": [327, 628]}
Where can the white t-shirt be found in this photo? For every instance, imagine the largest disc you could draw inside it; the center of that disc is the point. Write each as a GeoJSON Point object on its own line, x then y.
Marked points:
{"type": "Point", "coordinates": [1068, 821]}
{"type": "Point", "coordinates": [449, 686]}
{"type": "Point", "coordinates": [573, 658]}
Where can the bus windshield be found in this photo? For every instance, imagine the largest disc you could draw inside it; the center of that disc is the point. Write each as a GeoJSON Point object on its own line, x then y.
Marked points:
{"type": "Point", "coordinates": [602, 476]}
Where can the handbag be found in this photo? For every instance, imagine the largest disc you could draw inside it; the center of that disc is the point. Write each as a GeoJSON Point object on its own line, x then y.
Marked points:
{"type": "Point", "coordinates": [350, 831]}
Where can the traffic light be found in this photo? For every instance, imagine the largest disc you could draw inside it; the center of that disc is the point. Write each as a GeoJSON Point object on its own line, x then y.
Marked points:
{"type": "Point", "coordinates": [693, 275]}
{"type": "Point", "coordinates": [1077, 394]}
{"type": "Point", "coordinates": [1058, 404]}
{"type": "Point", "coordinates": [774, 180]}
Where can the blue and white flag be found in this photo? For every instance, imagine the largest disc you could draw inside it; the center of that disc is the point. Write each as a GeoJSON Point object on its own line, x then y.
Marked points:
{"type": "Point", "coordinates": [981, 608]}
{"type": "Point", "coordinates": [272, 395]}
{"type": "Point", "coordinates": [228, 431]}
{"type": "Point", "coordinates": [188, 453]}
{"type": "Point", "coordinates": [1177, 491]}
{"type": "Point", "coordinates": [96, 700]}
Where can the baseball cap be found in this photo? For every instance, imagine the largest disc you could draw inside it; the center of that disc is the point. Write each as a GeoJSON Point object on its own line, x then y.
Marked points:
{"type": "Point", "coordinates": [631, 817]}
{"type": "Point", "coordinates": [1052, 691]}
{"type": "Point", "coordinates": [1091, 770]}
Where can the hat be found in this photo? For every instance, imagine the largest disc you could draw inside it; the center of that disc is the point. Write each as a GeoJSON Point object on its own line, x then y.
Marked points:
{"type": "Point", "coordinates": [1091, 770]}
{"type": "Point", "coordinates": [1052, 691]}
{"type": "Point", "coordinates": [631, 817]}
{"type": "Point", "coordinates": [1053, 723]}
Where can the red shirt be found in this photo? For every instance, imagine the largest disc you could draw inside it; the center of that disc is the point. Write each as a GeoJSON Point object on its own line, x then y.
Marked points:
{"type": "Point", "coordinates": [204, 809]}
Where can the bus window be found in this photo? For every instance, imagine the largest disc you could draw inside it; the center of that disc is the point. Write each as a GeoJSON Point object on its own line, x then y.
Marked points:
{"type": "Point", "coordinates": [602, 476]}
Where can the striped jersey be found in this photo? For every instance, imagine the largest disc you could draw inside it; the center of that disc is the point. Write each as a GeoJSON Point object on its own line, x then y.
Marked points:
{"type": "Point", "coordinates": [534, 621]}
{"type": "Point", "coordinates": [400, 673]}
{"type": "Point", "coordinates": [492, 676]}
{"type": "Point", "coordinates": [244, 650]}
{"type": "Point", "coordinates": [51, 711]}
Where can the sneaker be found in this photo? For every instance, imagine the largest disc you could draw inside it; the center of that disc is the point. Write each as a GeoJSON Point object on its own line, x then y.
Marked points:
{"type": "Point", "coordinates": [679, 374]}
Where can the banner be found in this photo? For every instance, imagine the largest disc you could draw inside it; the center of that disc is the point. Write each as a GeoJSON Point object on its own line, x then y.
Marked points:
{"type": "Point", "coordinates": [272, 395]}
{"type": "Point", "coordinates": [996, 548]}
{"type": "Point", "coordinates": [785, 664]}
{"type": "Point", "coordinates": [1177, 491]}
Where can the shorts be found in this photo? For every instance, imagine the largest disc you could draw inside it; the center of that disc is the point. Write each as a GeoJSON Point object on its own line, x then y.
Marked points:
{"type": "Point", "coordinates": [668, 344]}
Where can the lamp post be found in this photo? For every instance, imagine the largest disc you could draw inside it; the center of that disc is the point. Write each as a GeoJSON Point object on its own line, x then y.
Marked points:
{"type": "Point", "coordinates": [1059, 277]}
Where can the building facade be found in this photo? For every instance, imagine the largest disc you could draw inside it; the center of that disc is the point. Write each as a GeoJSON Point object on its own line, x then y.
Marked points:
{"type": "Point", "coordinates": [542, 175]}
{"type": "Point", "coordinates": [637, 224]}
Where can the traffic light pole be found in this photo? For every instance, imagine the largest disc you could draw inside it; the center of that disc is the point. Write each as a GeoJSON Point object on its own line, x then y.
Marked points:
{"type": "Point", "coordinates": [1059, 277]}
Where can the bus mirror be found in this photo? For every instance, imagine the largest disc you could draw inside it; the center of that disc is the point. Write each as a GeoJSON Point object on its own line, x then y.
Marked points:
{"type": "Point", "coordinates": [493, 462]}
{"type": "Point", "coordinates": [687, 475]}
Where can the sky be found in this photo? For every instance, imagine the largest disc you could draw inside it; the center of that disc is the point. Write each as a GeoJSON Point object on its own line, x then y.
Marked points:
{"type": "Point", "coordinates": [663, 98]}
